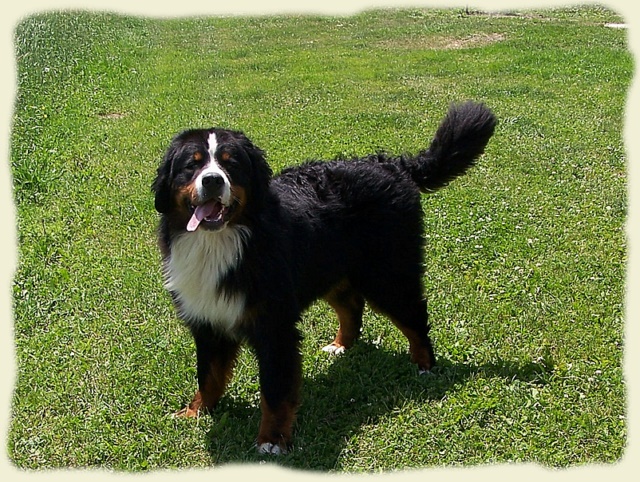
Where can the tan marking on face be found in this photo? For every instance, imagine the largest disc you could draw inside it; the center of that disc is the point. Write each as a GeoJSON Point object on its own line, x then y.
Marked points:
{"type": "Point", "coordinates": [185, 193]}
{"type": "Point", "coordinates": [239, 195]}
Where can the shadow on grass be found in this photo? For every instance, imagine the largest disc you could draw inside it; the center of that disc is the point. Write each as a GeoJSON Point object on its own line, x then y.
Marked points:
{"type": "Point", "coordinates": [357, 389]}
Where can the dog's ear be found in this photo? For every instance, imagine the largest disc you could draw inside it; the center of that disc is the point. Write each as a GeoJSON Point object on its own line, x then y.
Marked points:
{"type": "Point", "coordinates": [162, 184]}
{"type": "Point", "coordinates": [260, 172]}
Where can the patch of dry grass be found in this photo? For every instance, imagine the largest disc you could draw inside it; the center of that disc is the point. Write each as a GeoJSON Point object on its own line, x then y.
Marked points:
{"type": "Point", "coordinates": [443, 42]}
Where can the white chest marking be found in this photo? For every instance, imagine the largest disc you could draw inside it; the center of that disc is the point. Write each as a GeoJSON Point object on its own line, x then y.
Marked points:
{"type": "Point", "coordinates": [193, 272]}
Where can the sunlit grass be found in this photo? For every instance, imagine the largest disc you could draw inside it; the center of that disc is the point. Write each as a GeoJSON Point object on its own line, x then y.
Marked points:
{"type": "Point", "coordinates": [525, 255]}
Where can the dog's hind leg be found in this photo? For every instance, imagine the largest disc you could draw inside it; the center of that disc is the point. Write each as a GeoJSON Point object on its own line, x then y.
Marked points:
{"type": "Point", "coordinates": [348, 305]}
{"type": "Point", "coordinates": [400, 298]}
{"type": "Point", "coordinates": [413, 323]}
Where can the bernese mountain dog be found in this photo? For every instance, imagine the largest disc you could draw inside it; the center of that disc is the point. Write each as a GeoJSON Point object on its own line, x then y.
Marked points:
{"type": "Point", "coordinates": [245, 252]}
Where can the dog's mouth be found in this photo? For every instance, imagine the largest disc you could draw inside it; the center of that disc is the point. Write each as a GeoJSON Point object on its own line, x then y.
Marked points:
{"type": "Point", "coordinates": [210, 215]}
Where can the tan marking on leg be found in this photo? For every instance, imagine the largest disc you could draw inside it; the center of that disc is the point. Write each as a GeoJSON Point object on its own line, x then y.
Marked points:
{"type": "Point", "coordinates": [419, 352]}
{"type": "Point", "coordinates": [276, 427]}
{"type": "Point", "coordinates": [348, 306]}
{"type": "Point", "coordinates": [208, 395]}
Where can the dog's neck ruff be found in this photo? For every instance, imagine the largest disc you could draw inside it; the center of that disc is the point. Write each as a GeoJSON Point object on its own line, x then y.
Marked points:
{"type": "Point", "coordinates": [194, 270]}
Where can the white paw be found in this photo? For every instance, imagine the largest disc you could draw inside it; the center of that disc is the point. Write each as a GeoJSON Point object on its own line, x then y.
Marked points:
{"type": "Point", "coordinates": [334, 350]}
{"type": "Point", "coordinates": [271, 449]}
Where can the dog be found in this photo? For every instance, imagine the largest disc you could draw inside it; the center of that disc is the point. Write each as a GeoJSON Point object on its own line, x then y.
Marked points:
{"type": "Point", "coordinates": [246, 252]}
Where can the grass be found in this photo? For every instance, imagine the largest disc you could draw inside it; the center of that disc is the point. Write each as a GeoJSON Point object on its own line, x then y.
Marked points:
{"type": "Point", "coordinates": [525, 255]}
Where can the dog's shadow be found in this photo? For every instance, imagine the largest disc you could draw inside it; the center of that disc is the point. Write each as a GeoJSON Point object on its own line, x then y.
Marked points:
{"type": "Point", "coordinates": [358, 388]}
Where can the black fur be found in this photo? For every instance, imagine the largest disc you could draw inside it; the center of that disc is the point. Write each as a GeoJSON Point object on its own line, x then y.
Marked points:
{"type": "Point", "coordinates": [344, 230]}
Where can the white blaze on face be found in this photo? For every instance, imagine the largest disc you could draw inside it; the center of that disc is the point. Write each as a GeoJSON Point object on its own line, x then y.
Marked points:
{"type": "Point", "coordinates": [203, 210]}
{"type": "Point", "coordinates": [214, 168]}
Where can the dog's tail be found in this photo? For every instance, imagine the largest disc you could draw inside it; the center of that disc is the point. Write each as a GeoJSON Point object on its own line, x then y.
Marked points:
{"type": "Point", "coordinates": [459, 141]}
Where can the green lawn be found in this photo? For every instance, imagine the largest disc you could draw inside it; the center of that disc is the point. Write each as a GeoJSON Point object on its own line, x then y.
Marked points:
{"type": "Point", "coordinates": [525, 255]}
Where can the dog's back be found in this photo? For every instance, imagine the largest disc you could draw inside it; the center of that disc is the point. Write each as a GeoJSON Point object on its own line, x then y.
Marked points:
{"type": "Point", "coordinates": [361, 219]}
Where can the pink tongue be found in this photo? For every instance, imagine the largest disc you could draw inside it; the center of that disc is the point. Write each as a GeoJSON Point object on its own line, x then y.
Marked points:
{"type": "Point", "coordinates": [199, 214]}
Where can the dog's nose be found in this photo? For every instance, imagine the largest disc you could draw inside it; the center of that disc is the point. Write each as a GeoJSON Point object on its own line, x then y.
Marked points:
{"type": "Point", "coordinates": [212, 180]}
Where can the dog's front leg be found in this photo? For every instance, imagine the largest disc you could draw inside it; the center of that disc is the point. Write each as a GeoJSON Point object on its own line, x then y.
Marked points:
{"type": "Point", "coordinates": [216, 355]}
{"type": "Point", "coordinates": [280, 366]}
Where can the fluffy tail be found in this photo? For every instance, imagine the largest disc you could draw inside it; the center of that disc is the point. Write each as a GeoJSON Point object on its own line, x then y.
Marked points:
{"type": "Point", "coordinates": [459, 141]}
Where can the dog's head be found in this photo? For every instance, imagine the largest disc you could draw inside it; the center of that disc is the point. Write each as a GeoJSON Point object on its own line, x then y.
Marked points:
{"type": "Point", "coordinates": [210, 178]}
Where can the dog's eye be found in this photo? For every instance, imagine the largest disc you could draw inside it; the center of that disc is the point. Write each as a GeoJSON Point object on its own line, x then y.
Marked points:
{"type": "Point", "coordinates": [224, 156]}
{"type": "Point", "coordinates": [198, 157]}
